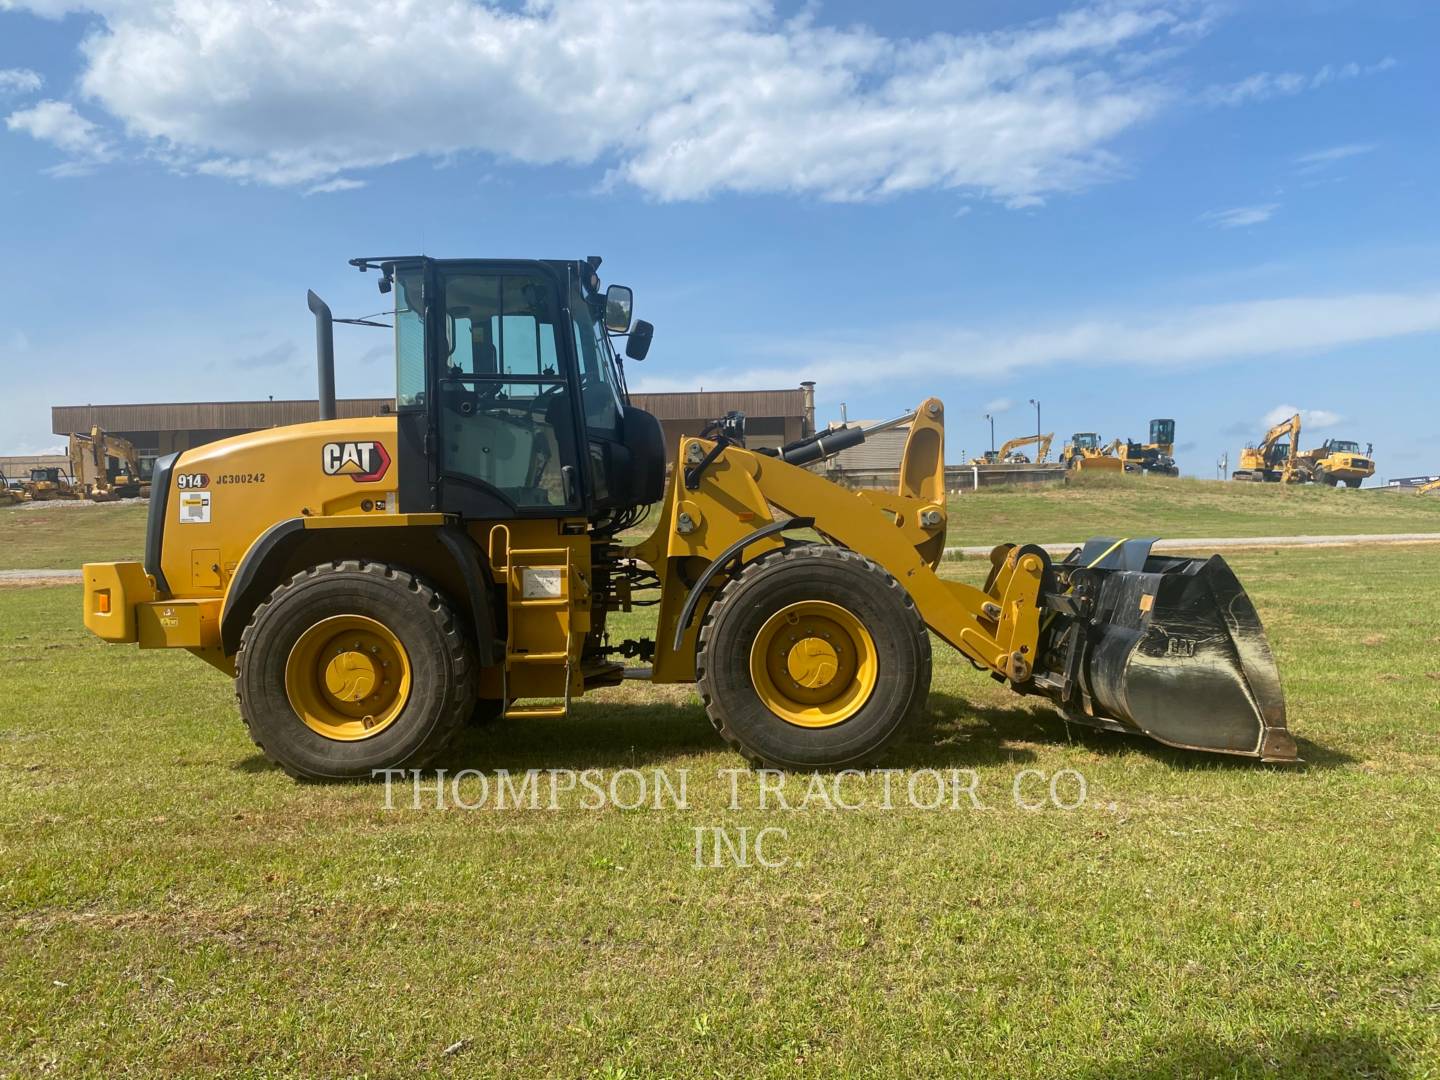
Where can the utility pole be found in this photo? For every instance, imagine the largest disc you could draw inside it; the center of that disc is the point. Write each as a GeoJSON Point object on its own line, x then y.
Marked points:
{"type": "Point", "coordinates": [992, 431]}
{"type": "Point", "coordinates": [1036, 403]}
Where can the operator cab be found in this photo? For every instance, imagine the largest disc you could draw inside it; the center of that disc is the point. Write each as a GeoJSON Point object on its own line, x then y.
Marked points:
{"type": "Point", "coordinates": [1086, 440]}
{"type": "Point", "coordinates": [510, 398]}
{"type": "Point", "coordinates": [1162, 432]}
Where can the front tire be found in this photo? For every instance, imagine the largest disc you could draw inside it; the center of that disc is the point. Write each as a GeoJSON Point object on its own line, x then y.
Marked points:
{"type": "Point", "coordinates": [813, 657]}
{"type": "Point", "coordinates": [352, 667]}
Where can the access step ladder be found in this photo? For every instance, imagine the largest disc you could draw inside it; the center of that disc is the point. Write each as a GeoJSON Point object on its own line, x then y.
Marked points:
{"type": "Point", "coordinates": [538, 594]}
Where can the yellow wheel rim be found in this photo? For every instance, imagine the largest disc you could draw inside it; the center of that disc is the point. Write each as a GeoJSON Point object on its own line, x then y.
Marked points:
{"type": "Point", "coordinates": [348, 677]}
{"type": "Point", "coordinates": [813, 664]}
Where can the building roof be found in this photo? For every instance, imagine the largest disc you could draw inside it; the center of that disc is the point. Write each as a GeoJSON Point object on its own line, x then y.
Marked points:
{"type": "Point", "coordinates": [205, 415]}
{"type": "Point", "coordinates": [710, 404]}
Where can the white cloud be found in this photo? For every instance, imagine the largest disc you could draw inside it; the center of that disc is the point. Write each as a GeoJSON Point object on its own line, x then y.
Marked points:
{"type": "Point", "coordinates": [1264, 85]}
{"type": "Point", "coordinates": [1240, 216]}
{"type": "Point", "coordinates": [999, 405]}
{"type": "Point", "coordinates": [682, 98]}
{"type": "Point", "coordinates": [57, 123]}
{"type": "Point", "coordinates": [1314, 419]}
{"type": "Point", "coordinates": [1321, 159]}
{"type": "Point", "coordinates": [340, 183]}
{"type": "Point", "coordinates": [1185, 337]}
{"type": "Point", "coordinates": [19, 81]}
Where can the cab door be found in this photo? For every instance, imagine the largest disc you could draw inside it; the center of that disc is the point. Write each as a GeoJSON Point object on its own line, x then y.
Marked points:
{"type": "Point", "coordinates": [500, 378]}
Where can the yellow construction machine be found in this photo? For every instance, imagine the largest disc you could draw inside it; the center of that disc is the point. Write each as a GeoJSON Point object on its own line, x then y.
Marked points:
{"type": "Point", "coordinates": [373, 583]}
{"type": "Point", "coordinates": [1273, 459]}
{"type": "Point", "coordinates": [106, 467]}
{"type": "Point", "coordinates": [1433, 485]}
{"type": "Point", "coordinates": [1084, 453]}
{"type": "Point", "coordinates": [50, 482]}
{"type": "Point", "coordinates": [1337, 461]}
{"type": "Point", "coordinates": [1010, 454]}
{"type": "Point", "coordinates": [1156, 456]}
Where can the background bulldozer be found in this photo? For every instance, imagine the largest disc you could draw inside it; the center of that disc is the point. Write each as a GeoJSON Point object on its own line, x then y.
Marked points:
{"type": "Point", "coordinates": [371, 584]}
{"type": "Point", "coordinates": [50, 482]}
{"type": "Point", "coordinates": [1085, 453]}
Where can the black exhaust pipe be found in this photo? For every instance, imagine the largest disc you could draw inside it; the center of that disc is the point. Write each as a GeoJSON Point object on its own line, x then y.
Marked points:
{"type": "Point", "coordinates": [324, 353]}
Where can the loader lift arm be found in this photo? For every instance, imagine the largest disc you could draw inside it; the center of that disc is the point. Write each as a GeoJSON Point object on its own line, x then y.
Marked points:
{"type": "Point", "coordinates": [1094, 636]}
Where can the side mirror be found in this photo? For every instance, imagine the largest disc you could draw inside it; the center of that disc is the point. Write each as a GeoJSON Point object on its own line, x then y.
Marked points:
{"type": "Point", "coordinates": [619, 308]}
{"type": "Point", "coordinates": [639, 344]}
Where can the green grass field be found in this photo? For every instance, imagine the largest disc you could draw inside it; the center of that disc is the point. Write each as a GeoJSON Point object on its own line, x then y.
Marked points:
{"type": "Point", "coordinates": [170, 903]}
{"type": "Point", "coordinates": [63, 536]}
{"type": "Point", "coordinates": [1153, 506]}
{"type": "Point", "coordinates": [60, 537]}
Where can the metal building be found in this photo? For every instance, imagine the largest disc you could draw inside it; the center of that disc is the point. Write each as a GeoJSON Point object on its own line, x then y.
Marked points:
{"type": "Point", "coordinates": [773, 417]}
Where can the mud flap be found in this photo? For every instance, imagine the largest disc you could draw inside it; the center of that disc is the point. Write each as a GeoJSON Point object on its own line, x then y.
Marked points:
{"type": "Point", "coordinates": [1172, 648]}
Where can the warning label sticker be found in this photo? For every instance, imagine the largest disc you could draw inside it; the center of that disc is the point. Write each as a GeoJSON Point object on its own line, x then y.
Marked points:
{"type": "Point", "coordinates": [194, 507]}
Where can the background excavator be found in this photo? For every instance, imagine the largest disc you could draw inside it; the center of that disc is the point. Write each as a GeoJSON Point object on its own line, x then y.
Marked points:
{"type": "Point", "coordinates": [1010, 452]}
{"type": "Point", "coordinates": [1277, 459]}
{"type": "Point", "coordinates": [1273, 458]}
{"type": "Point", "coordinates": [106, 467]}
{"type": "Point", "coordinates": [373, 583]}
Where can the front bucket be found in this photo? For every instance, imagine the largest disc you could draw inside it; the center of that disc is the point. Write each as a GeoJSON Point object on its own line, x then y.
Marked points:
{"type": "Point", "coordinates": [1175, 650]}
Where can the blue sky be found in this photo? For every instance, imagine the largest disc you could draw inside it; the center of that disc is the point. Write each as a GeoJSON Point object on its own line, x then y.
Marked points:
{"type": "Point", "coordinates": [1208, 211]}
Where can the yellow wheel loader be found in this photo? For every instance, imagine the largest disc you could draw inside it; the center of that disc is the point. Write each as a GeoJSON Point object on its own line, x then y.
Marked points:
{"type": "Point", "coordinates": [373, 583]}
{"type": "Point", "coordinates": [1010, 454]}
{"type": "Point", "coordinates": [1084, 453]}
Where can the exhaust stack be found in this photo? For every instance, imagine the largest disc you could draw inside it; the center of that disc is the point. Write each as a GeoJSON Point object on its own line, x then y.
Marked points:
{"type": "Point", "coordinates": [324, 353]}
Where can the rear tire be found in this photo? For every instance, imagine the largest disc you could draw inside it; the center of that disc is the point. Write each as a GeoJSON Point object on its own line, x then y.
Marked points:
{"type": "Point", "coordinates": [851, 622]}
{"type": "Point", "coordinates": [329, 637]}
{"type": "Point", "coordinates": [1353, 483]}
